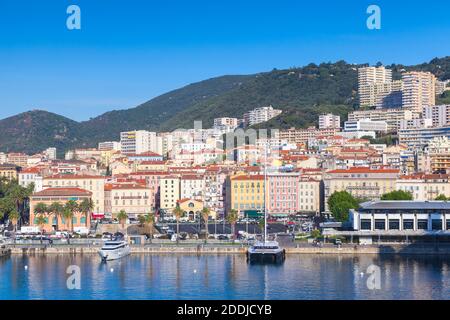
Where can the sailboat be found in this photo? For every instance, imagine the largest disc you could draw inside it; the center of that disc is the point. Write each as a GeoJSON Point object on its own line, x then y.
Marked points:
{"type": "Point", "coordinates": [266, 251]}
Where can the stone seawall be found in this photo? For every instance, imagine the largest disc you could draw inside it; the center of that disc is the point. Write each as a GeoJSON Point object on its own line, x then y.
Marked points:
{"type": "Point", "coordinates": [422, 250]}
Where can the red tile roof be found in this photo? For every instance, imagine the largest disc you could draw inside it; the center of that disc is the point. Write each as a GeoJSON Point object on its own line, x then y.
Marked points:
{"type": "Point", "coordinates": [61, 192]}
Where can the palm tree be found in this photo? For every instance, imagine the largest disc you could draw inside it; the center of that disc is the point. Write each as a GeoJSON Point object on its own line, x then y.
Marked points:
{"type": "Point", "coordinates": [40, 209]}
{"type": "Point", "coordinates": [178, 214]}
{"type": "Point", "coordinates": [56, 208]}
{"type": "Point", "coordinates": [205, 215]}
{"type": "Point", "coordinates": [232, 218]}
{"type": "Point", "coordinates": [19, 195]}
{"type": "Point", "coordinates": [122, 216]}
{"type": "Point", "coordinates": [67, 216]}
{"type": "Point", "coordinates": [150, 220]}
{"type": "Point", "coordinates": [14, 216]}
{"type": "Point", "coordinates": [41, 221]}
{"type": "Point", "coordinates": [86, 206]}
{"type": "Point", "coordinates": [72, 207]}
{"type": "Point", "coordinates": [6, 206]}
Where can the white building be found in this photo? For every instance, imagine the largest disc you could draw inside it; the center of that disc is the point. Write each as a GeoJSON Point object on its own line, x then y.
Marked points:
{"type": "Point", "coordinates": [376, 88]}
{"type": "Point", "coordinates": [260, 115]}
{"type": "Point", "coordinates": [439, 115]}
{"type": "Point", "coordinates": [109, 145]}
{"type": "Point", "coordinates": [135, 142]}
{"type": "Point", "coordinates": [392, 116]}
{"type": "Point", "coordinates": [419, 90]}
{"type": "Point", "coordinates": [365, 125]}
{"type": "Point", "coordinates": [50, 153]}
{"type": "Point", "coordinates": [329, 121]}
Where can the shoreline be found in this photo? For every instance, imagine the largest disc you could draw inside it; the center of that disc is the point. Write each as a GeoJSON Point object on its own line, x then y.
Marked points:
{"type": "Point", "coordinates": [359, 250]}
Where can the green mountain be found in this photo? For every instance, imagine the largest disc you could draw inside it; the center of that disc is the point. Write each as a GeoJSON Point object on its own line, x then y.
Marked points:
{"type": "Point", "coordinates": [302, 93]}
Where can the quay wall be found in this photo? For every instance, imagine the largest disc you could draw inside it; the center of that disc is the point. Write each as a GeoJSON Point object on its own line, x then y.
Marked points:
{"type": "Point", "coordinates": [376, 250]}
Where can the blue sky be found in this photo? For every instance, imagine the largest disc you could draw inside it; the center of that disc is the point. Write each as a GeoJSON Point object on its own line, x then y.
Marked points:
{"type": "Point", "coordinates": [130, 51]}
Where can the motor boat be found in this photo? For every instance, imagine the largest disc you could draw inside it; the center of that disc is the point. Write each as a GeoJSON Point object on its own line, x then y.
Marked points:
{"type": "Point", "coordinates": [266, 251]}
{"type": "Point", "coordinates": [113, 250]}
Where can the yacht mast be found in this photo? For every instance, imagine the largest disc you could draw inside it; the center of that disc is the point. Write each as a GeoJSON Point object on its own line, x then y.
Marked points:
{"type": "Point", "coordinates": [265, 200]}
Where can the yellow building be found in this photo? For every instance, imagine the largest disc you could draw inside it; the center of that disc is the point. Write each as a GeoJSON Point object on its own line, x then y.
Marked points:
{"type": "Point", "coordinates": [245, 192]}
{"type": "Point", "coordinates": [169, 192]}
{"type": "Point", "coordinates": [360, 182]}
{"type": "Point", "coordinates": [191, 208]}
{"type": "Point", "coordinates": [94, 184]}
{"type": "Point", "coordinates": [9, 171]}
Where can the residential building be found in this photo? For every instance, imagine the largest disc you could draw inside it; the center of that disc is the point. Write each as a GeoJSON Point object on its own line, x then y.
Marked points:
{"type": "Point", "coordinates": [18, 159]}
{"type": "Point", "coordinates": [282, 189]}
{"type": "Point", "coordinates": [245, 192]}
{"type": "Point", "coordinates": [299, 136]}
{"type": "Point", "coordinates": [260, 115]}
{"type": "Point", "coordinates": [439, 115]}
{"type": "Point", "coordinates": [329, 121]}
{"type": "Point", "coordinates": [31, 175]}
{"type": "Point", "coordinates": [438, 151]}
{"type": "Point", "coordinates": [419, 90]}
{"type": "Point", "coordinates": [365, 125]}
{"type": "Point", "coordinates": [416, 138]}
{"type": "Point", "coordinates": [362, 183]}
{"type": "Point", "coordinates": [9, 171]}
{"type": "Point", "coordinates": [94, 184]}
{"type": "Point", "coordinates": [169, 192]}
{"type": "Point", "coordinates": [50, 153]}
{"type": "Point", "coordinates": [392, 117]}
{"type": "Point", "coordinates": [425, 187]}
{"type": "Point", "coordinates": [192, 187]}
{"type": "Point", "coordinates": [133, 198]}
{"type": "Point", "coordinates": [109, 145]}
{"type": "Point", "coordinates": [140, 141]}
{"type": "Point", "coordinates": [376, 88]}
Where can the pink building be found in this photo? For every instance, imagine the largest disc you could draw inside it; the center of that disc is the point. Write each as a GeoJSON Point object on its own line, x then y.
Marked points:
{"type": "Point", "coordinates": [283, 193]}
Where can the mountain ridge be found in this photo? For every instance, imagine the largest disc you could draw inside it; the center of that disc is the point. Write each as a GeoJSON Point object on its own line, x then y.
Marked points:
{"type": "Point", "coordinates": [301, 92]}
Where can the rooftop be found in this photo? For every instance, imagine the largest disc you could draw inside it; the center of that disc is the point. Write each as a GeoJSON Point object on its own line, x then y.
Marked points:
{"type": "Point", "coordinates": [405, 205]}
{"type": "Point", "coordinates": [62, 192]}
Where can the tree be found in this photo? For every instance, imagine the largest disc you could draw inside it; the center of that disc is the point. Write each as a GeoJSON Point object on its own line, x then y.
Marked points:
{"type": "Point", "coordinates": [149, 221]}
{"type": "Point", "coordinates": [67, 215]}
{"type": "Point", "coordinates": [122, 216]}
{"type": "Point", "coordinates": [71, 207]}
{"type": "Point", "coordinates": [315, 233]}
{"type": "Point", "coordinates": [232, 218]}
{"type": "Point", "coordinates": [205, 215]}
{"type": "Point", "coordinates": [6, 206]}
{"type": "Point", "coordinates": [262, 224]}
{"type": "Point", "coordinates": [340, 202]}
{"type": "Point", "coordinates": [442, 197]}
{"type": "Point", "coordinates": [86, 206]}
{"type": "Point", "coordinates": [14, 216]}
{"type": "Point", "coordinates": [178, 214]}
{"type": "Point", "coordinates": [56, 208]}
{"type": "Point", "coordinates": [397, 195]}
{"type": "Point", "coordinates": [41, 220]}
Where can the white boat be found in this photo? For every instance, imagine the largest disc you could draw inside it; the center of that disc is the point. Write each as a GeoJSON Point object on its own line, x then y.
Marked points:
{"type": "Point", "coordinates": [266, 251]}
{"type": "Point", "coordinates": [113, 250]}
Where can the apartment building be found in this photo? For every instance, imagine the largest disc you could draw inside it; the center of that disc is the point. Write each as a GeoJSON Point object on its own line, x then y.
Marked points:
{"type": "Point", "coordinates": [365, 125]}
{"type": "Point", "coordinates": [282, 193]}
{"type": "Point", "coordinates": [438, 152]}
{"type": "Point", "coordinates": [425, 187]}
{"type": "Point", "coordinates": [329, 121]}
{"type": "Point", "coordinates": [18, 159]}
{"type": "Point", "coordinates": [94, 184]}
{"type": "Point", "coordinates": [192, 187]}
{"type": "Point", "coordinates": [439, 115]}
{"type": "Point", "coordinates": [309, 195]}
{"type": "Point", "coordinates": [419, 90]}
{"type": "Point", "coordinates": [260, 115]}
{"type": "Point", "coordinates": [169, 192]}
{"type": "Point", "coordinates": [302, 136]}
{"type": "Point", "coordinates": [109, 145]}
{"type": "Point", "coordinates": [226, 122]}
{"type": "Point", "coordinates": [245, 192]}
{"type": "Point", "coordinates": [31, 175]}
{"type": "Point", "coordinates": [392, 117]}
{"type": "Point", "coordinates": [376, 88]}
{"type": "Point", "coordinates": [133, 198]}
{"type": "Point", "coordinates": [9, 171]}
{"type": "Point", "coordinates": [363, 183]}
{"type": "Point", "coordinates": [140, 141]}
{"type": "Point", "coordinates": [416, 138]}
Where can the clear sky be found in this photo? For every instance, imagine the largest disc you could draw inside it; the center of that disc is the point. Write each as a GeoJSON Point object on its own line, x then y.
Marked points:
{"type": "Point", "coordinates": [130, 51]}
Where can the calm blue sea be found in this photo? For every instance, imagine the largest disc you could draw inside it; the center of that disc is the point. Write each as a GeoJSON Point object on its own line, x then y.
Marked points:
{"type": "Point", "coordinates": [226, 277]}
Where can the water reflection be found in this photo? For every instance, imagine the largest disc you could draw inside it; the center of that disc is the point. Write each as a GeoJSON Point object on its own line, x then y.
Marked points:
{"type": "Point", "coordinates": [225, 277]}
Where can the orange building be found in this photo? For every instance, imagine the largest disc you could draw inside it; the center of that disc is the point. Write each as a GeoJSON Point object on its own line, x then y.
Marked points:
{"type": "Point", "coordinates": [61, 195]}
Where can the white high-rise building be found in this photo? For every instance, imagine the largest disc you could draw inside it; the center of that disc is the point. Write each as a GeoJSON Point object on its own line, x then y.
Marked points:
{"type": "Point", "coordinates": [329, 121]}
{"type": "Point", "coordinates": [135, 142]}
{"type": "Point", "coordinates": [439, 115]}
{"type": "Point", "coordinates": [365, 125]}
{"type": "Point", "coordinates": [419, 90]}
{"type": "Point", "coordinates": [376, 88]}
{"type": "Point", "coordinates": [260, 115]}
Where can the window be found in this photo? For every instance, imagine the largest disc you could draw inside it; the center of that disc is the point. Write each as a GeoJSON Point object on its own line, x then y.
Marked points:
{"type": "Point", "coordinates": [422, 224]}
{"type": "Point", "coordinates": [380, 224]}
{"type": "Point", "coordinates": [436, 224]}
{"type": "Point", "coordinates": [394, 224]}
{"type": "Point", "coordinates": [366, 224]}
{"type": "Point", "coordinates": [408, 224]}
